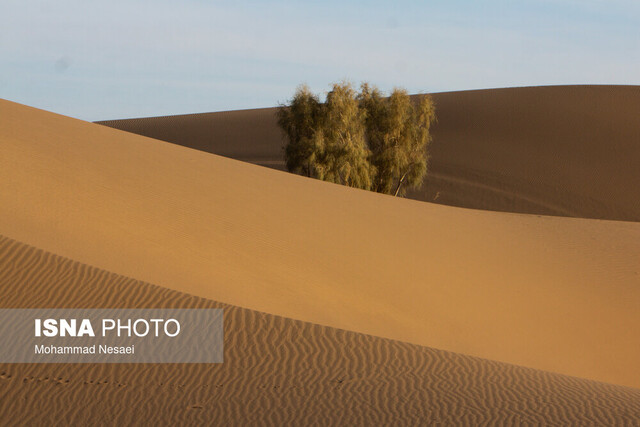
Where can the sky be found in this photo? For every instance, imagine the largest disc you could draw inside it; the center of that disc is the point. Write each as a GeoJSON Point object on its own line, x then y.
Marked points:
{"type": "Point", "coordinates": [98, 60]}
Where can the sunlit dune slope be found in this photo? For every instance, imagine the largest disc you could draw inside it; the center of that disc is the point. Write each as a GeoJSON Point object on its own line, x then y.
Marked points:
{"type": "Point", "coordinates": [561, 150]}
{"type": "Point", "coordinates": [553, 293]}
{"type": "Point", "coordinates": [276, 371]}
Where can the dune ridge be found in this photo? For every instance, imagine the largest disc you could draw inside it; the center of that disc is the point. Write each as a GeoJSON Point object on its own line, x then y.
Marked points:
{"type": "Point", "coordinates": [277, 371]}
{"type": "Point", "coordinates": [552, 293]}
{"type": "Point", "coordinates": [556, 150]}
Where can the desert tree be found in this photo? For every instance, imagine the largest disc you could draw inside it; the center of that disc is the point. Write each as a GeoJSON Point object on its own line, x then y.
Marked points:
{"type": "Point", "coordinates": [397, 133]}
{"type": "Point", "coordinates": [299, 119]}
{"type": "Point", "coordinates": [326, 140]}
{"type": "Point", "coordinates": [342, 150]}
{"type": "Point", "coordinates": [363, 140]}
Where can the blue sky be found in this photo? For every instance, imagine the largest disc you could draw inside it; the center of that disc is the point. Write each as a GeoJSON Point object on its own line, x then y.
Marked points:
{"type": "Point", "coordinates": [104, 60]}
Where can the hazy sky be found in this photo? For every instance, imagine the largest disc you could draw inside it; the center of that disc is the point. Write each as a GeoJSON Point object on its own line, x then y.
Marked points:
{"type": "Point", "coordinates": [114, 59]}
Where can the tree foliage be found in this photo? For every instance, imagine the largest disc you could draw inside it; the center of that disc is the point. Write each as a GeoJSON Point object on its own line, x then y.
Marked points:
{"type": "Point", "coordinates": [397, 133]}
{"type": "Point", "coordinates": [363, 140]}
{"type": "Point", "coordinates": [299, 120]}
{"type": "Point", "coordinates": [341, 140]}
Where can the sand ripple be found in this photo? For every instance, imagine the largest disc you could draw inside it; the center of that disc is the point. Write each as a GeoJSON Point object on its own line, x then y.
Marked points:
{"type": "Point", "coordinates": [277, 371]}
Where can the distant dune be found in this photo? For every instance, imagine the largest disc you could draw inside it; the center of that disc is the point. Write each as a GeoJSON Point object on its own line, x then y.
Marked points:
{"type": "Point", "coordinates": [277, 371]}
{"type": "Point", "coordinates": [551, 293]}
{"type": "Point", "coordinates": [564, 150]}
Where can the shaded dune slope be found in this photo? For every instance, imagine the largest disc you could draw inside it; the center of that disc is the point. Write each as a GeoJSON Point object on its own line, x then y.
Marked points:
{"type": "Point", "coordinates": [563, 150]}
{"type": "Point", "coordinates": [552, 293]}
{"type": "Point", "coordinates": [277, 371]}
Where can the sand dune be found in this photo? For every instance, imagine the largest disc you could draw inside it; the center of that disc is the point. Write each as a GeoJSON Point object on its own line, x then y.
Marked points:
{"type": "Point", "coordinates": [277, 371]}
{"type": "Point", "coordinates": [565, 150]}
{"type": "Point", "coordinates": [552, 293]}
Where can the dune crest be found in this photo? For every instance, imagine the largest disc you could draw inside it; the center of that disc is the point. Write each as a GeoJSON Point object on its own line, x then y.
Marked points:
{"type": "Point", "coordinates": [556, 150]}
{"type": "Point", "coordinates": [557, 294]}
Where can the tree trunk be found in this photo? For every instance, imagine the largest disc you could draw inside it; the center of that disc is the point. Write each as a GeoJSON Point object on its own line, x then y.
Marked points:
{"type": "Point", "coordinates": [400, 184]}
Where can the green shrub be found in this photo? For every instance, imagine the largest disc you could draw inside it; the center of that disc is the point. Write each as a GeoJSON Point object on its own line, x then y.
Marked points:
{"type": "Point", "coordinates": [362, 140]}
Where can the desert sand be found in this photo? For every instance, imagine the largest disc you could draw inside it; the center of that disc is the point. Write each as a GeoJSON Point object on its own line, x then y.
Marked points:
{"type": "Point", "coordinates": [563, 150]}
{"type": "Point", "coordinates": [415, 311]}
{"type": "Point", "coordinates": [277, 371]}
